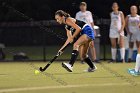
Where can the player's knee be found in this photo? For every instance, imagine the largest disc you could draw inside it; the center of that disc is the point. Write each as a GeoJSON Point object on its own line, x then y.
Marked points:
{"type": "Point", "coordinates": [84, 56]}
{"type": "Point", "coordinates": [121, 44]}
{"type": "Point", "coordinates": [113, 46]}
{"type": "Point", "coordinates": [92, 45]}
{"type": "Point", "coordinates": [76, 46]}
{"type": "Point", "coordinates": [130, 46]}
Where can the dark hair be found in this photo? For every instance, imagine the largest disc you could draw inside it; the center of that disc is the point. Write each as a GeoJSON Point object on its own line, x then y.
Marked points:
{"type": "Point", "coordinates": [83, 3]}
{"type": "Point", "coordinates": [115, 3]}
{"type": "Point", "coordinates": [62, 13]}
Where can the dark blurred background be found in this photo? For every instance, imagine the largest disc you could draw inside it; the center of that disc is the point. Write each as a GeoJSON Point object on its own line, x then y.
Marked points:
{"type": "Point", "coordinates": [45, 9]}
{"type": "Point", "coordinates": [21, 23]}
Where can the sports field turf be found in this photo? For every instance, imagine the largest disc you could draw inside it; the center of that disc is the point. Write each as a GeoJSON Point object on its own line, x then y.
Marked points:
{"type": "Point", "coordinates": [19, 77]}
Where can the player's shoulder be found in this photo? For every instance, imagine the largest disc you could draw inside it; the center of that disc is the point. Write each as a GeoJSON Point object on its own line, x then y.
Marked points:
{"type": "Point", "coordinates": [138, 15]}
{"type": "Point", "coordinates": [120, 12]}
{"type": "Point", "coordinates": [79, 12]}
{"type": "Point", "coordinates": [128, 17]}
{"type": "Point", "coordinates": [88, 12]}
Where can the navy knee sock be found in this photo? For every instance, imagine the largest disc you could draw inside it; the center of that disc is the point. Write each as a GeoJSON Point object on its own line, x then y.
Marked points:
{"type": "Point", "coordinates": [89, 62]}
{"type": "Point", "coordinates": [74, 55]}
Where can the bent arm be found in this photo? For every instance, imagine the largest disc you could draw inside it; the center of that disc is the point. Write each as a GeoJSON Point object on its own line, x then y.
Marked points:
{"type": "Point", "coordinates": [126, 24]}
{"type": "Point", "coordinates": [75, 26]}
{"type": "Point", "coordinates": [123, 22]}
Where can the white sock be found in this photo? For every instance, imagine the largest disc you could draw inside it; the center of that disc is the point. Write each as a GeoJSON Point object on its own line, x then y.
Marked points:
{"type": "Point", "coordinates": [130, 53]}
{"type": "Point", "coordinates": [122, 51]}
{"type": "Point", "coordinates": [113, 51]}
{"type": "Point", "coordinates": [137, 66]}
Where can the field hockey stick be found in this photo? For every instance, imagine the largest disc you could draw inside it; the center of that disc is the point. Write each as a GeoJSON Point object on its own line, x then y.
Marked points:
{"type": "Point", "coordinates": [55, 57]}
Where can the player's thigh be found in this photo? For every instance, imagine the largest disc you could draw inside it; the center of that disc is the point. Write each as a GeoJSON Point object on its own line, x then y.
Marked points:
{"type": "Point", "coordinates": [131, 44]}
{"type": "Point", "coordinates": [138, 39]}
{"type": "Point", "coordinates": [139, 50]}
{"type": "Point", "coordinates": [121, 41]}
{"type": "Point", "coordinates": [82, 40]}
{"type": "Point", "coordinates": [132, 40]}
{"type": "Point", "coordinates": [138, 44]}
{"type": "Point", "coordinates": [113, 42]}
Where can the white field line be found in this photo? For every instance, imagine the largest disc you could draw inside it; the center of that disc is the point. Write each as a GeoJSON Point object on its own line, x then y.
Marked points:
{"type": "Point", "coordinates": [58, 87]}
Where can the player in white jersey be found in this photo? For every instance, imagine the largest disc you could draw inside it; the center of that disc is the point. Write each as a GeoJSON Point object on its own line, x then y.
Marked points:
{"type": "Point", "coordinates": [86, 16]}
{"type": "Point", "coordinates": [117, 32]}
{"type": "Point", "coordinates": [133, 30]}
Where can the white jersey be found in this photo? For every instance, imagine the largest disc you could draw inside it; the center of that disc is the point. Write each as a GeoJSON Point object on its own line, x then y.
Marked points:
{"type": "Point", "coordinates": [116, 21]}
{"type": "Point", "coordinates": [115, 26]}
{"type": "Point", "coordinates": [133, 27]}
{"type": "Point", "coordinates": [133, 24]}
{"type": "Point", "coordinates": [85, 16]}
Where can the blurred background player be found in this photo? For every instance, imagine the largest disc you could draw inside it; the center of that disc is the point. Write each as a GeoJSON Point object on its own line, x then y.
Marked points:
{"type": "Point", "coordinates": [132, 28]}
{"type": "Point", "coordinates": [74, 28]}
{"type": "Point", "coordinates": [136, 35]}
{"type": "Point", "coordinates": [117, 32]}
{"type": "Point", "coordinates": [86, 16]}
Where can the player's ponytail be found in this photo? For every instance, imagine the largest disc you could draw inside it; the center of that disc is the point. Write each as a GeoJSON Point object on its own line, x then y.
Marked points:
{"type": "Point", "coordinates": [62, 13]}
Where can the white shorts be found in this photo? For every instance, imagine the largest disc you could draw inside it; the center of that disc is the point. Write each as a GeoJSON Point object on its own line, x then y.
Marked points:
{"type": "Point", "coordinates": [134, 37]}
{"type": "Point", "coordinates": [115, 34]}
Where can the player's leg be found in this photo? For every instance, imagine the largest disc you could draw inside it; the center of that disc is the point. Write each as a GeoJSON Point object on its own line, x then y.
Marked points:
{"type": "Point", "coordinates": [122, 48]}
{"type": "Point", "coordinates": [131, 45]}
{"type": "Point", "coordinates": [138, 58]}
{"type": "Point", "coordinates": [136, 70]}
{"type": "Point", "coordinates": [80, 53]}
{"type": "Point", "coordinates": [92, 51]}
{"type": "Point", "coordinates": [82, 40]}
{"type": "Point", "coordinates": [137, 66]}
{"type": "Point", "coordinates": [92, 67]}
{"type": "Point", "coordinates": [113, 49]}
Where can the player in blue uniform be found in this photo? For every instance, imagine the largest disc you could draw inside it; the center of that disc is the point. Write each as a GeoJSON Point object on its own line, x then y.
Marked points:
{"type": "Point", "coordinates": [84, 34]}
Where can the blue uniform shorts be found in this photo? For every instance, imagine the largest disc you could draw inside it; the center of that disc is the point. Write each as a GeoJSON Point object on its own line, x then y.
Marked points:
{"type": "Point", "coordinates": [88, 31]}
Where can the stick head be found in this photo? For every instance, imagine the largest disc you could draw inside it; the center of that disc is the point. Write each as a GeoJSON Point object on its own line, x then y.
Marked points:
{"type": "Point", "coordinates": [41, 69]}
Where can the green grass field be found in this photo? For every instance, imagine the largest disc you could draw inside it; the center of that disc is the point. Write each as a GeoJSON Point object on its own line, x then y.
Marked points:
{"type": "Point", "coordinates": [19, 77]}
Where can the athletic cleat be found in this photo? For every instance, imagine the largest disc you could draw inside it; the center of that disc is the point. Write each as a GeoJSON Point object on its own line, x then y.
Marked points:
{"type": "Point", "coordinates": [122, 61]}
{"type": "Point", "coordinates": [133, 72]}
{"type": "Point", "coordinates": [67, 66]}
{"type": "Point", "coordinates": [129, 60]}
{"type": "Point", "coordinates": [111, 61]}
{"type": "Point", "coordinates": [96, 61]}
{"type": "Point", "coordinates": [91, 69]}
